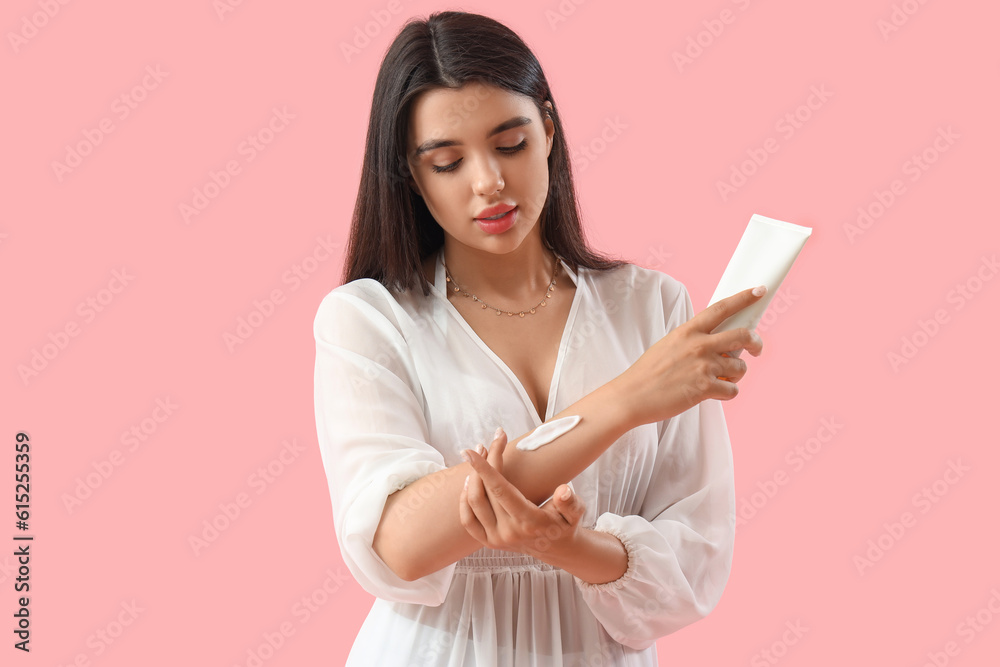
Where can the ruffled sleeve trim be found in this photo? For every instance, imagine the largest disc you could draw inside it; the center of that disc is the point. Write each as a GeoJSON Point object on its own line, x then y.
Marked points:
{"type": "Point", "coordinates": [622, 581]}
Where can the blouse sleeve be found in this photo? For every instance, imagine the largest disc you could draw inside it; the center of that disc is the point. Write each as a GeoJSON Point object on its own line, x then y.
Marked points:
{"type": "Point", "coordinates": [373, 437]}
{"type": "Point", "coordinates": [680, 546]}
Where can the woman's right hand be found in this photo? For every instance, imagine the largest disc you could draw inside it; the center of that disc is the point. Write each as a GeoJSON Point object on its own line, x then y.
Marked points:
{"type": "Point", "coordinates": [687, 365]}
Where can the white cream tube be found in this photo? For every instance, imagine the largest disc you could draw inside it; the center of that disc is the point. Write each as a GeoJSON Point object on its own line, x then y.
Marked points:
{"type": "Point", "coordinates": [763, 257]}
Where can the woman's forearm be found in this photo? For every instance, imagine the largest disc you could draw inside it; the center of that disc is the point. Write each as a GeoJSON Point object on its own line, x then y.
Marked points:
{"type": "Point", "coordinates": [595, 556]}
{"type": "Point", "coordinates": [420, 531]}
{"type": "Point", "coordinates": [604, 419]}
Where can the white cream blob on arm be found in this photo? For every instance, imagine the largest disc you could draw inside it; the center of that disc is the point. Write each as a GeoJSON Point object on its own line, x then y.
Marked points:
{"type": "Point", "coordinates": [548, 432]}
{"type": "Point", "coordinates": [545, 434]}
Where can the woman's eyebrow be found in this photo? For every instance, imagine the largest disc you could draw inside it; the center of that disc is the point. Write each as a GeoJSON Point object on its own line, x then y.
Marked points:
{"type": "Point", "coordinates": [516, 121]}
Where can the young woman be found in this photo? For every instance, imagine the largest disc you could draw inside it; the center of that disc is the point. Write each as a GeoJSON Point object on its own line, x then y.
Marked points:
{"type": "Point", "coordinates": [471, 301]}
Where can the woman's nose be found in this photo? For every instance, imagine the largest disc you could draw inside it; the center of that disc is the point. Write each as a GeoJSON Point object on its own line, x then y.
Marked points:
{"type": "Point", "coordinates": [488, 178]}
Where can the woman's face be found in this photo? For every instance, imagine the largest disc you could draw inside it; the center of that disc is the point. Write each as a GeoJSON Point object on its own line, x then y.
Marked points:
{"type": "Point", "coordinates": [478, 166]}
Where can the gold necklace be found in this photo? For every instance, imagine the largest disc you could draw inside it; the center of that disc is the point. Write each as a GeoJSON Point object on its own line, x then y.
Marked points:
{"type": "Point", "coordinates": [530, 311]}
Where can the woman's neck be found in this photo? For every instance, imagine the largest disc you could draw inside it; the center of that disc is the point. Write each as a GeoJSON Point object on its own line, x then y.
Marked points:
{"type": "Point", "coordinates": [511, 278]}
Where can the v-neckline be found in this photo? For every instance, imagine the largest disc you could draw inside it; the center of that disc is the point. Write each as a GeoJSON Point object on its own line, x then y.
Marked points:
{"type": "Point", "coordinates": [439, 287]}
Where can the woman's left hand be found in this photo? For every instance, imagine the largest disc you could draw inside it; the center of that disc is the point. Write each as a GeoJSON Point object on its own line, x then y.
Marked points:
{"type": "Point", "coordinates": [497, 514]}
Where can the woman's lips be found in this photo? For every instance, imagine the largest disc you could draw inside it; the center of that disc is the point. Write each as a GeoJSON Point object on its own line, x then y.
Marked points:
{"type": "Point", "coordinates": [494, 211]}
{"type": "Point", "coordinates": [500, 225]}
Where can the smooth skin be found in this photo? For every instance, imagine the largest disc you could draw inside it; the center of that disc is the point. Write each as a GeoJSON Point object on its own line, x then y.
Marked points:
{"type": "Point", "coordinates": [425, 526]}
{"type": "Point", "coordinates": [682, 369]}
{"type": "Point", "coordinates": [435, 521]}
{"type": "Point", "coordinates": [509, 269]}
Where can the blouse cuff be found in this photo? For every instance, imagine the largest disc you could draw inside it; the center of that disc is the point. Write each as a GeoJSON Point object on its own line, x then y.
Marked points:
{"type": "Point", "coordinates": [359, 523]}
{"type": "Point", "coordinates": [630, 548]}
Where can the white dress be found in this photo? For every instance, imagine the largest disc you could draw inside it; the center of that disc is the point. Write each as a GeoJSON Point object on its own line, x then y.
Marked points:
{"type": "Point", "coordinates": [403, 384]}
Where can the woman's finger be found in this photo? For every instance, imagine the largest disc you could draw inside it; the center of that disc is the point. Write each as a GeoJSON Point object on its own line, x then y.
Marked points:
{"type": "Point", "coordinates": [495, 455]}
{"type": "Point", "coordinates": [721, 310]}
{"type": "Point", "coordinates": [740, 338]}
{"type": "Point", "coordinates": [571, 509]}
{"type": "Point", "coordinates": [733, 367]}
{"type": "Point", "coordinates": [480, 502]}
{"type": "Point", "coordinates": [503, 496]}
{"type": "Point", "coordinates": [468, 517]}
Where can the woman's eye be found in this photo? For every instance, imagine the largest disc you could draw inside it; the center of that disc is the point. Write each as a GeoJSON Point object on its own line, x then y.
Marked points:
{"type": "Point", "coordinates": [503, 149]}
{"type": "Point", "coordinates": [448, 167]}
{"type": "Point", "coordinates": [513, 149]}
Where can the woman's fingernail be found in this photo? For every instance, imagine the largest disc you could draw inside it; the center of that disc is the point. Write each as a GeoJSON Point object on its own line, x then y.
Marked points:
{"type": "Point", "coordinates": [567, 493]}
{"type": "Point", "coordinates": [465, 456]}
{"type": "Point", "coordinates": [759, 291]}
{"type": "Point", "coordinates": [481, 449]}
{"type": "Point", "coordinates": [498, 432]}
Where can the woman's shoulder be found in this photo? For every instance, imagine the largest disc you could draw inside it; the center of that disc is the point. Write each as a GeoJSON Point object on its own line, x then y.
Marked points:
{"type": "Point", "coordinates": [366, 289]}
{"type": "Point", "coordinates": [637, 282]}
{"type": "Point", "coordinates": [364, 304]}
{"type": "Point", "coordinates": [633, 297]}
{"type": "Point", "coordinates": [361, 292]}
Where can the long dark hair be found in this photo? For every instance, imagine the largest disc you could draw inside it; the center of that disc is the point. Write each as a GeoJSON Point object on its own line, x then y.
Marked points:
{"type": "Point", "coordinates": [392, 231]}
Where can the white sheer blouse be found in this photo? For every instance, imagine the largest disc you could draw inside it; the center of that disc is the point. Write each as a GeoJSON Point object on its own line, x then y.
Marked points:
{"type": "Point", "coordinates": [403, 384]}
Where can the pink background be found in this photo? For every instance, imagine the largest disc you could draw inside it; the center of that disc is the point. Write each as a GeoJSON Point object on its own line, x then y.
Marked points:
{"type": "Point", "coordinates": [649, 193]}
